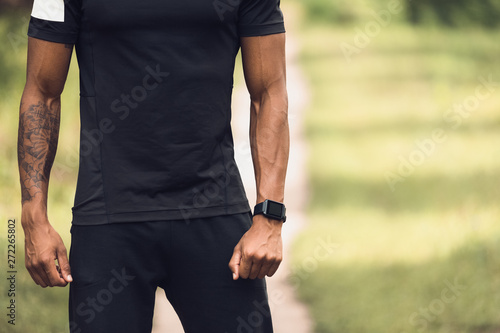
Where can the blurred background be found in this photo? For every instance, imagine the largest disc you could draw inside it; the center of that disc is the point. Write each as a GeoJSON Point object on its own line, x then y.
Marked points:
{"type": "Point", "coordinates": [402, 128]}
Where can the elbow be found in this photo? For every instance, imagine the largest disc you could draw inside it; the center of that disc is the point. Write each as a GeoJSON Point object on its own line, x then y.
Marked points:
{"type": "Point", "coordinates": [51, 93]}
{"type": "Point", "coordinates": [49, 89]}
{"type": "Point", "coordinates": [42, 90]}
{"type": "Point", "coordinates": [273, 100]}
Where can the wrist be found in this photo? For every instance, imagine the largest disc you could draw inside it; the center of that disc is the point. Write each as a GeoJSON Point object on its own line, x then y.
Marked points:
{"type": "Point", "coordinates": [261, 220]}
{"type": "Point", "coordinates": [33, 214]}
{"type": "Point", "coordinates": [278, 197]}
{"type": "Point", "coordinates": [272, 210]}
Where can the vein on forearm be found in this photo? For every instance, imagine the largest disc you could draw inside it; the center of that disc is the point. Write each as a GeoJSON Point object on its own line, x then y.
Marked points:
{"type": "Point", "coordinates": [37, 145]}
{"type": "Point", "coordinates": [270, 144]}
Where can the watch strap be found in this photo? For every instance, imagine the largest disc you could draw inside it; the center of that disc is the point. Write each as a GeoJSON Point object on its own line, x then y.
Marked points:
{"type": "Point", "coordinates": [259, 208]}
{"type": "Point", "coordinates": [262, 208]}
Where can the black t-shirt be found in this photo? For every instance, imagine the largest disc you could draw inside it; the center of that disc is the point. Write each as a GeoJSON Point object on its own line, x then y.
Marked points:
{"type": "Point", "coordinates": [156, 79]}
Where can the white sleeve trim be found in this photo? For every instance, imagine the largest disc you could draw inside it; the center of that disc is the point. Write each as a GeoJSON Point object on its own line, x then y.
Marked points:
{"type": "Point", "coordinates": [49, 10]}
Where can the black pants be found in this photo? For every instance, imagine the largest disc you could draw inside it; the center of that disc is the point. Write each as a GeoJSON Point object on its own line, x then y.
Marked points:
{"type": "Point", "coordinates": [117, 267]}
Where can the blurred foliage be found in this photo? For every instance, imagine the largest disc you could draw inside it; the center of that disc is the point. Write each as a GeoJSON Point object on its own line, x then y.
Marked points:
{"type": "Point", "coordinates": [9, 4]}
{"type": "Point", "coordinates": [453, 13]}
{"type": "Point", "coordinates": [341, 11]}
{"type": "Point", "coordinates": [395, 249]}
{"type": "Point", "coordinates": [439, 295]}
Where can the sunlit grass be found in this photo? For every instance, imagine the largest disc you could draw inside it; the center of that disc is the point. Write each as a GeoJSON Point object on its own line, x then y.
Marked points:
{"type": "Point", "coordinates": [370, 236]}
{"type": "Point", "coordinates": [396, 244]}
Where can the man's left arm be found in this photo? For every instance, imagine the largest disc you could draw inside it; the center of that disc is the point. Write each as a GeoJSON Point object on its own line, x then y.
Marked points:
{"type": "Point", "coordinates": [259, 252]}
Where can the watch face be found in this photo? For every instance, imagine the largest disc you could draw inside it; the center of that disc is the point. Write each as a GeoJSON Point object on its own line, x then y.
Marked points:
{"type": "Point", "coordinates": [274, 209]}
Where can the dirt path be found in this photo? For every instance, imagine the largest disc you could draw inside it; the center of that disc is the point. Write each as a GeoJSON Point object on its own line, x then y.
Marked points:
{"type": "Point", "coordinates": [289, 315]}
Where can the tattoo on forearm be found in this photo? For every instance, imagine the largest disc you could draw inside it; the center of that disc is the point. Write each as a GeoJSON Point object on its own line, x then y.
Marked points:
{"type": "Point", "coordinates": [36, 147]}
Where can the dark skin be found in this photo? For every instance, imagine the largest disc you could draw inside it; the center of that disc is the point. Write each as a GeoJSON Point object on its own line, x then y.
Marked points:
{"type": "Point", "coordinates": [260, 251]}
{"type": "Point", "coordinates": [257, 254]}
{"type": "Point", "coordinates": [39, 115]}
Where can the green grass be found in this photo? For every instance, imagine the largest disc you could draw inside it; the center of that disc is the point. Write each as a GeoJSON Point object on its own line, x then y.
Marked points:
{"type": "Point", "coordinates": [395, 248]}
{"type": "Point", "coordinates": [409, 297]}
{"type": "Point", "coordinates": [450, 13]}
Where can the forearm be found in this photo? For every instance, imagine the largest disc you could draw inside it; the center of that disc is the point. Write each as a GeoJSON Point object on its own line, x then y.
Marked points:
{"type": "Point", "coordinates": [259, 251]}
{"type": "Point", "coordinates": [269, 137]}
{"type": "Point", "coordinates": [39, 117]}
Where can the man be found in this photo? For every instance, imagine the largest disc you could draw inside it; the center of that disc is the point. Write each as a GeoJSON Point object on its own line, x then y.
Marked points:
{"type": "Point", "coordinates": [159, 199]}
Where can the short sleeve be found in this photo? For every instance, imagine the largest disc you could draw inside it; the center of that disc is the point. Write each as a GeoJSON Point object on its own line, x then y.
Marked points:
{"type": "Point", "coordinates": [260, 18]}
{"type": "Point", "coordinates": [55, 20]}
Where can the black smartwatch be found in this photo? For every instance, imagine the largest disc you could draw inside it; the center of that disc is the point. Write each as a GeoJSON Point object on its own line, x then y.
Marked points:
{"type": "Point", "coordinates": [271, 209]}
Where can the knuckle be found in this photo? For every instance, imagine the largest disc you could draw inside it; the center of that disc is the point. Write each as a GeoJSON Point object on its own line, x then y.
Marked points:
{"type": "Point", "coordinates": [44, 261]}
{"type": "Point", "coordinates": [271, 258]}
{"type": "Point", "coordinates": [36, 265]}
{"type": "Point", "coordinates": [249, 254]}
{"type": "Point", "coordinates": [258, 259]}
{"type": "Point", "coordinates": [260, 256]}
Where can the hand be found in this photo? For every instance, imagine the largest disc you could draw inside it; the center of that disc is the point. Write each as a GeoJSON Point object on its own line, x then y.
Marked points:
{"type": "Point", "coordinates": [259, 251]}
{"type": "Point", "coordinates": [43, 246]}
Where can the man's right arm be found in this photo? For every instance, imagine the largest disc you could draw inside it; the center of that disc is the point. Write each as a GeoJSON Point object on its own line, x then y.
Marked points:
{"type": "Point", "coordinates": [39, 115]}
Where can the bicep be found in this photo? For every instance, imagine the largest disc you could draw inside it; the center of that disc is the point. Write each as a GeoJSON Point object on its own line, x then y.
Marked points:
{"type": "Point", "coordinates": [47, 67]}
{"type": "Point", "coordinates": [264, 64]}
